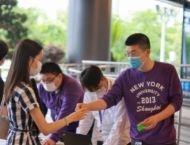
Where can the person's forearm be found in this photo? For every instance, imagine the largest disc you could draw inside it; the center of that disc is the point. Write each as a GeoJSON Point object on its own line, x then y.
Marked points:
{"type": "Point", "coordinates": [52, 127]}
{"type": "Point", "coordinates": [167, 112]}
{"type": "Point", "coordinates": [100, 104]}
{"type": "Point", "coordinates": [56, 135]}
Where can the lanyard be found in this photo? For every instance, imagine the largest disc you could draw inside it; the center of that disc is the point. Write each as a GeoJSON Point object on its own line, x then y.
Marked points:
{"type": "Point", "coordinates": [101, 116]}
{"type": "Point", "coordinates": [102, 113]}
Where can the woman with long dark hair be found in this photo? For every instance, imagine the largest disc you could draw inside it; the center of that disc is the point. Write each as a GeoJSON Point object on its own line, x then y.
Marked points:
{"type": "Point", "coordinates": [23, 107]}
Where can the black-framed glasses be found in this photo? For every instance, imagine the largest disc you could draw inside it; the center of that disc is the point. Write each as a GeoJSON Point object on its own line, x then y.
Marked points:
{"type": "Point", "coordinates": [49, 80]}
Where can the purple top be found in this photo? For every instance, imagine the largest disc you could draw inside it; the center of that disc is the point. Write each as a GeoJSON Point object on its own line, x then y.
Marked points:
{"type": "Point", "coordinates": [145, 94]}
{"type": "Point", "coordinates": [62, 103]}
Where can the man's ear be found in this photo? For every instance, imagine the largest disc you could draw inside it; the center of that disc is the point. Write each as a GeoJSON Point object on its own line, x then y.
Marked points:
{"type": "Point", "coordinates": [148, 51]}
{"type": "Point", "coordinates": [60, 74]}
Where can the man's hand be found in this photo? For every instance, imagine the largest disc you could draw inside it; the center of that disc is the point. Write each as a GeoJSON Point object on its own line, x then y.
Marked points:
{"type": "Point", "coordinates": [100, 104]}
{"type": "Point", "coordinates": [76, 116]}
{"type": "Point", "coordinates": [150, 122]}
{"type": "Point", "coordinates": [49, 142]}
{"type": "Point", "coordinates": [82, 106]}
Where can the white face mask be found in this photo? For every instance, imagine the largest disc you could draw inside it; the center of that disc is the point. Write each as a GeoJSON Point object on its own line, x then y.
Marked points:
{"type": "Point", "coordinates": [35, 71]}
{"type": "Point", "coordinates": [50, 87]}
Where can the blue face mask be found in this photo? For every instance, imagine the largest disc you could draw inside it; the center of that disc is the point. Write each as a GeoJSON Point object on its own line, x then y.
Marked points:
{"type": "Point", "coordinates": [135, 62]}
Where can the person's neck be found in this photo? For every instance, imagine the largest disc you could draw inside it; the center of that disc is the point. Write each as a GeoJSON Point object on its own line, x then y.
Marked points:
{"type": "Point", "coordinates": [149, 64]}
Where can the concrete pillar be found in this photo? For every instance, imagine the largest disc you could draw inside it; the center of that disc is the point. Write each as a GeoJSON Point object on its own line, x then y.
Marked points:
{"type": "Point", "coordinates": [89, 30]}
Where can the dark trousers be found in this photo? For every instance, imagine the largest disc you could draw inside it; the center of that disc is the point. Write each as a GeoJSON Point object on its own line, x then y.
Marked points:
{"type": "Point", "coordinates": [100, 142]}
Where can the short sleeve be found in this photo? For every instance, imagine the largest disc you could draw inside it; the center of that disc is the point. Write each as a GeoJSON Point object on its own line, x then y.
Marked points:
{"type": "Point", "coordinates": [27, 98]}
{"type": "Point", "coordinates": [175, 90]}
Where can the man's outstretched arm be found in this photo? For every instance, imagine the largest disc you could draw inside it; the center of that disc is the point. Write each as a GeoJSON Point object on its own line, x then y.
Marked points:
{"type": "Point", "coordinates": [100, 104]}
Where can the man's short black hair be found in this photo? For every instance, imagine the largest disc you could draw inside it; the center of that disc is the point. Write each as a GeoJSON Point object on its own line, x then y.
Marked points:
{"type": "Point", "coordinates": [90, 77]}
{"type": "Point", "coordinates": [3, 49]}
{"type": "Point", "coordinates": [50, 67]}
{"type": "Point", "coordinates": [138, 39]}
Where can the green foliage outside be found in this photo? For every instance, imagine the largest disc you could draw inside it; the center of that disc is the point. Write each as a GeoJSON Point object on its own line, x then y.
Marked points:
{"type": "Point", "coordinates": [11, 22]}
{"type": "Point", "coordinates": [188, 48]}
{"type": "Point", "coordinates": [145, 22]}
{"type": "Point", "coordinates": [49, 32]}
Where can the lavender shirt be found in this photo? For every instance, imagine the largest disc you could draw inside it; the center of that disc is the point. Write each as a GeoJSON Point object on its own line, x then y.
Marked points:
{"type": "Point", "coordinates": [63, 102]}
{"type": "Point", "coordinates": [145, 94]}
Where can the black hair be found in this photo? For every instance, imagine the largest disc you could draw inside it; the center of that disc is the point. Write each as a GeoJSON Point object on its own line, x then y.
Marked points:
{"type": "Point", "coordinates": [19, 70]}
{"type": "Point", "coordinates": [50, 67]}
{"type": "Point", "coordinates": [138, 39]}
{"type": "Point", "coordinates": [90, 77]}
{"type": "Point", "coordinates": [3, 49]}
